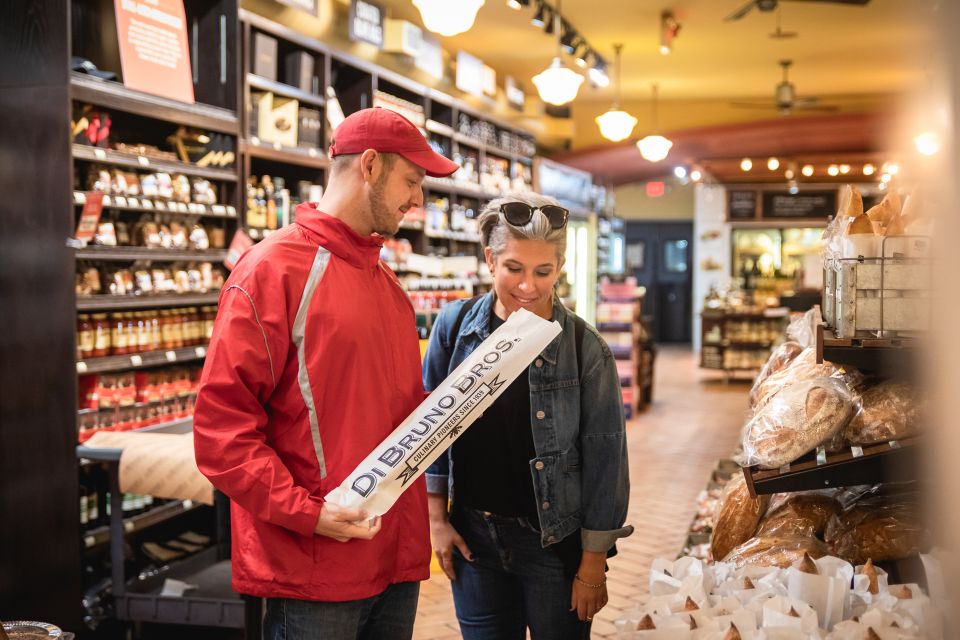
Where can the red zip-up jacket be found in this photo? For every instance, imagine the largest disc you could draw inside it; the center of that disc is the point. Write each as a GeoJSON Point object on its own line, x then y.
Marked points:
{"type": "Point", "coordinates": [314, 360]}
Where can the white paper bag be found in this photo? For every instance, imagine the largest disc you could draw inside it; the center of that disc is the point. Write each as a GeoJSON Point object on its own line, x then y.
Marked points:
{"type": "Point", "coordinates": [827, 592]}
{"type": "Point", "coordinates": [453, 406]}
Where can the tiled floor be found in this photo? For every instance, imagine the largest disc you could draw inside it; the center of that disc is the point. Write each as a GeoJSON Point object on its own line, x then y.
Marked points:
{"type": "Point", "coordinates": [674, 444]}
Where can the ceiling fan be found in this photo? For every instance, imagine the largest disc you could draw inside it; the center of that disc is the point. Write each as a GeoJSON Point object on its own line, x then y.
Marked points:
{"type": "Point", "coordinates": [770, 5]}
{"type": "Point", "coordinates": [785, 98]}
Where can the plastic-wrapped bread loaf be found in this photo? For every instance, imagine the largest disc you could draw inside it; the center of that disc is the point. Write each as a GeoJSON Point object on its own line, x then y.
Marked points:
{"type": "Point", "coordinates": [803, 367]}
{"type": "Point", "coordinates": [775, 551]}
{"type": "Point", "coordinates": [779, 359]}
{"type": "Point", "coordinates": [798, 419]}
{"type": "Point", "coordinates": [800, 514]}
{"type": "Point", "coordinates": [737, 517]}
{"type": "Point", "coordinates": [881, 529]}
{"type": "Point", "coordinates": [890, 411]}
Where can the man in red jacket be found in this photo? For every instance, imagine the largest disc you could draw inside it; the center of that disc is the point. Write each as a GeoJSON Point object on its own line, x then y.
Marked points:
{"type": "Point", "coordinates": [314, 360]}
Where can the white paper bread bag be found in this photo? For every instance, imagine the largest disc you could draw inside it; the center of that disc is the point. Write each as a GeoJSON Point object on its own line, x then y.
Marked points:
{"type": "Point", "coordinates": [453, 406]}
{"type": "Point", "coordinates": [826, 591]}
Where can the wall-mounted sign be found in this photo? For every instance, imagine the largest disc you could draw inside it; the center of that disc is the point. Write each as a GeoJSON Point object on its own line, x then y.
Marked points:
{"type": "Point", "coordinates": [469, 74]}
{"type": "Point", "coordinates": [403, 37]}
{"type": "Point", "coordinates": [778, 205]}
{"type": "Point", "coordinates": [366, 22]}
{"type": "Point", "coordinates": [515, 96]}
{"type": "Point", "coordinates": [572, 187]}
{"type": "Point", "coordinates": [742, 205]}
{"type": "Point", "coordinates": [489, 81]}
{"type": "Point", "coordinates": [153, 47]}
{"type": "Point", "coordinates": [310, 6]}
{"type": "Point", "coordinates": [430, 60]}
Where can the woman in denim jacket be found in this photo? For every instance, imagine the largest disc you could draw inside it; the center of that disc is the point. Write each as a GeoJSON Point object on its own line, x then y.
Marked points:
{"type": "Point", "coordinates": [537, 486]}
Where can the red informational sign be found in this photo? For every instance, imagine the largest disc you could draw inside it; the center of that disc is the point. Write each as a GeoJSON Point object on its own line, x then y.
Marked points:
{"type": "Point", "coordinates": [238, 246]}
{"type": "Point", "coordinates": [153, 47]}
{"type": "Point", "coordinates": [90, 216]}
{"type": "Point", "coordinates": [655, 188]}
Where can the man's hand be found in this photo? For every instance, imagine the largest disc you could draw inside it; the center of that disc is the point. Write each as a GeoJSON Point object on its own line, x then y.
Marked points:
{"type": "Point", "coordinates": [339, 523]}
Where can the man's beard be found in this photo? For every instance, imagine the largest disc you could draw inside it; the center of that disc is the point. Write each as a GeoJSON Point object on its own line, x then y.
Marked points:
{"type": "Point", "coordinates": [384, 221]}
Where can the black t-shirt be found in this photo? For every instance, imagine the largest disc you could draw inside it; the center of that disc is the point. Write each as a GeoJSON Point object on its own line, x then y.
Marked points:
{"type": "Point", "coordinates": [491, 460]}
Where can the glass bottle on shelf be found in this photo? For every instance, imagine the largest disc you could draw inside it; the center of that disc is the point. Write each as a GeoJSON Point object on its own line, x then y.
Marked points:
{"type": "Point", "coordinates": [101, 336]}
{"type": "Point", "coordinates": [85, 337]}
{"type": "Point", "coordinates": [118, 335]}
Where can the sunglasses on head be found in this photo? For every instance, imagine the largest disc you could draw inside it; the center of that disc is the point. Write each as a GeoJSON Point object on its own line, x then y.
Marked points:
{"type": "Point", "coordinates": [520, 213]}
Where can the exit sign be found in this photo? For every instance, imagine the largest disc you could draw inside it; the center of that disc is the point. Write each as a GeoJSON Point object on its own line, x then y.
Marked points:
{"type": "Point", "coordinates": [655, 189]}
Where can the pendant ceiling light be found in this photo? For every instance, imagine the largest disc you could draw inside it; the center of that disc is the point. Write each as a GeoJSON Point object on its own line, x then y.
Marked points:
{"type": "Point", "coordinates": [448, 17]}
{"type": "Point", "coordinates": [654, 148]}
{"type": "Point", "coordinates": [616, 125]}
{"type": "Point", "coordinates": [557, 84]}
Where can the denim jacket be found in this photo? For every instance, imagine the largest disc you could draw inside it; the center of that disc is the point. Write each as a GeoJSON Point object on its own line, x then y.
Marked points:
{"type": "Point", "coordinates": [580, 472]}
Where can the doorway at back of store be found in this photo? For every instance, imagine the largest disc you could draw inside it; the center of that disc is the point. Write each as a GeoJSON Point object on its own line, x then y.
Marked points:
{"type": "Point", "coordinates": [660, 256]}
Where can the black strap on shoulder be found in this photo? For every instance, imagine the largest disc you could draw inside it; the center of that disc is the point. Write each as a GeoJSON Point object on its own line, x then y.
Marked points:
{"type": "Point", "coordinates": [469, 304]}
{"type": "Point", "coordinates": [579, 328]}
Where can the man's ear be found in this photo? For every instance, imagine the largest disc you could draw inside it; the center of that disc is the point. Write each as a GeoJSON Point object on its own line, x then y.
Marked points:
{"type": "Point", "coordinates": [370, 165]}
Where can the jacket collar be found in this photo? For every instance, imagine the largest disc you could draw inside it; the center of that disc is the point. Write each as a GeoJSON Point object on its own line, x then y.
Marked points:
{"type": "Point", "coordinates": [337, 237]}
{"type": "Point", "coordinates": [477, 321]}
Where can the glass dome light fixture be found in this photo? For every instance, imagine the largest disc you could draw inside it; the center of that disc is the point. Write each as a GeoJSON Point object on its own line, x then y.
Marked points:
{"type": "Point", "coordinates": [616, 124]}
{"type": "Point", "coordinates": [557, 84]}
{"type": "Point", "coordinates": [448, 17]}
{"type": "Point", "coordinates": [655, 147]}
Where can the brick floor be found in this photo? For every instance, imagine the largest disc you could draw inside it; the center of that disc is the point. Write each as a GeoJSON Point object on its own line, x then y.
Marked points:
{"type": "Point", "coordinates": [694, 420]}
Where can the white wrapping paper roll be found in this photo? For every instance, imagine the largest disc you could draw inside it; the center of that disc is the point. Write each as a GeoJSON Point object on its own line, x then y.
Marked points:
{"type": "Point", "coordinates": [405, 454]}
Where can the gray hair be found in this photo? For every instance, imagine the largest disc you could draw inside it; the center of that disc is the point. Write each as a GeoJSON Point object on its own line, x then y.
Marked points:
{"type": "Point", "coordinates": [495, 230]}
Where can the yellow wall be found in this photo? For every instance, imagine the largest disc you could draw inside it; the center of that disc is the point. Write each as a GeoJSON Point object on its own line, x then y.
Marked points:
{"type": "Point", "coordinates": [632, 202]}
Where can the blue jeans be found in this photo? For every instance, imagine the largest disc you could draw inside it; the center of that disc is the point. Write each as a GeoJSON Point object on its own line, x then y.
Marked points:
{"type": "Point", "coordinates": [513, 583]}
{"type": "Point", "coordinates": [387, 615]}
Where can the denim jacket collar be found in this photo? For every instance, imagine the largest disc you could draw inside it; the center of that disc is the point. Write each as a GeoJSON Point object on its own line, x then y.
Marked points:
{"type": "Point", "coordinates": [477, 321]}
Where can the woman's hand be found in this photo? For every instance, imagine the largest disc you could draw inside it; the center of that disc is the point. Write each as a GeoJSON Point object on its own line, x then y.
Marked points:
{"type": "Point", "coordinates": [443, 536]}
{"type": "Point", "coordinates": [589, 593]}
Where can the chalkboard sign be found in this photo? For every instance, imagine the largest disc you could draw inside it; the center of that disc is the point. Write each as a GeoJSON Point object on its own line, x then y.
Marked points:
{"type": "Point", "coordinates": [741, 205]}
{"type": "Point", "coordinates": [781, 205]}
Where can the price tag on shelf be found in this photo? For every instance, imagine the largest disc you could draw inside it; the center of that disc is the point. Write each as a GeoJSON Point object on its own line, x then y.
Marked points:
{"type": "Point", "coordinates": [89, 541]}
{"type": "Point", "coordinates": [856, 452]}
{"type": "Point", "coordinates": [144, 161]}
{"type": "Point", "coordinates": [128, 526]}
{"type": "Point", "coordinates": [136, 361]}
{"type": "Point", "coordinates": [119, 201]}
{"type": "Point", "coordinates": [79, 197]}
{"type": "Point", "coordinates": [171, 356]}
{"type": "Point", "coordinates": [821, 456]}
{"type": "Point", "coordinates": [182, 208]}
{"type": "Point", "coordinates": [187, 505]}
{"type": "Point", "coordinates": [200, 351]}
{"type": "Point", "coordinates": [147, 204]}
{"type": "Point", "coordinates": [81, 367]}
{"type": "Point", "coordinates": [106, 201]}
{"type": "Point", "coordinates": [219, 210]}
{"type": "Point", "coordinates": [254, 140]}
{"type": "Point", "coordinates": [133, 203]}
{"type": "Point", "coordinates": [277, 146]}
{"type": "Point", "coordinates": [159, 205]}
{"type": "Point", "coordinates": [312, 152]}
{"type": "Point", "coordinates": [99, 154]}
{"type": "Point", "coordinates": [231, 211]}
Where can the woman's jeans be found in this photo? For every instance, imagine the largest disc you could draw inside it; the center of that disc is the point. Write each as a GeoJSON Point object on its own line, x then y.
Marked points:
{"type": "Point", "coordinates": [512, 583]}
{"type": "Point", "coordinates": [387, 615]}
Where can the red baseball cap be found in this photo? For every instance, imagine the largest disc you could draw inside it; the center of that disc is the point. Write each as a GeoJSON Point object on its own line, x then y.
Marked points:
{"type": "Point", "coordinates": [387, 131]}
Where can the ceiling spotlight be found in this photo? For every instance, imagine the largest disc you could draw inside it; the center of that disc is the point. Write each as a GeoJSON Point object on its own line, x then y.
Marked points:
{"type": "Point", "coordinates": [882, 186]}
{"type": "Point", "coordinates": [680, 172]}
{"type": "Point", "coordinates": [518, 4]}
{"type": "Point", "coordinates": [833, 170]}
{"type": "Point", "coordinates": [569, 38]}
{"type": "Point", "coordinates": [773, 164]}
{"type": "Point", "coordinates": [869, 169]}
{"type": "Point", "coordinates": [539, 19]}
{"type": "Point", "coordinates": [789, 174]}
{"type": "Point", "coordinates": [669, 28]}
{"type": "Point", "coordinates": [844, 169]}
{"type": "Point", "coordinates": [794, 188]}
{"type": "Point", "coordinates": [746, 164]}
{"type": "Point", "coordinates": [583, 54]}
{"type": "Point", "coordinates": [598, 73]}
{"type": "Point", "coordinates": [927, 143]}
{"type": "Point", "coordinates": [892, 168]}
{"type": "Point", "coordinates": [885, 178]}
{"type": "Point", "coordinates": [807, 170]}
{"type": "Point", "coordinates": [696, 175]}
